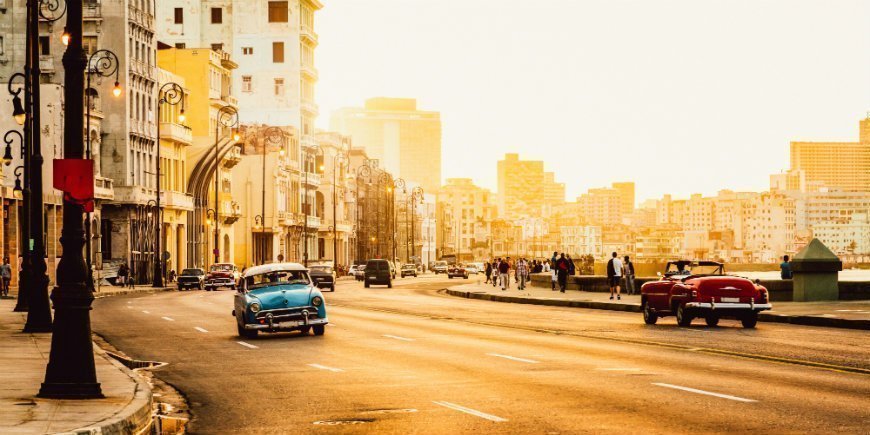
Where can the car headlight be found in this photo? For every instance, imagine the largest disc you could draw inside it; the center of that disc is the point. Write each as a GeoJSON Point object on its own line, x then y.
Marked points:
{"type": "Point", "coordinates": [254, 307]}
{"type": "Point", "coordinates": [317, 301]}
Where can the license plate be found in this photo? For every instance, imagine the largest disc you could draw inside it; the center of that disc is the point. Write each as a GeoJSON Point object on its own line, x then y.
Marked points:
{"type": "Point", "coordinates": [730, 299]}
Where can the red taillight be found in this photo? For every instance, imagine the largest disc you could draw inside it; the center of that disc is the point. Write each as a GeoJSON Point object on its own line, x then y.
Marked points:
{"type": "Point", "coordinates": [694, 293]}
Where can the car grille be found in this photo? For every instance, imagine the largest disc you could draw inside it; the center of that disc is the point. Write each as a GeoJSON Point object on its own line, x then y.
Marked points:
{"type": "Point", "coordinates": [284, 314]}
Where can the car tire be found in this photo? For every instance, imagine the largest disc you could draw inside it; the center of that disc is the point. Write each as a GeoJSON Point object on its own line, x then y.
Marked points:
{"type": "Point", "coordinates": [450, 276]}
{"type": "Point", "coordinates": [465, 277]}
{"type": "Point", "coordinates": [245, 333]}
{"type": "Point", "coordinates": [749, 320]}
{"type": "Point", "coordinates": [199, 286]}
{"type": "Point", "coordinates": [389, 284]}
{"type": "Point", "coordinates": [712, 320]}
{"type": "Point", "coordinates": [684, 318]}
{"type": "Point", "coordinates": [319, 329]}
{"type": "Point", "coordinates": [366, 284]}
{"type": "Point", "coordinates": [332, 289]}
{"type": "Point", "coordinates": [649, 316]}
{"type": "Point", "coordinates": [305, 330]}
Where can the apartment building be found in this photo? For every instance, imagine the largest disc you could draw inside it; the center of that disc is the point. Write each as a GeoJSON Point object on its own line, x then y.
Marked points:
{"type": "Point", "coordinates": [468, 212]}
{"type": "Point", "coordinates": [582, 240]}
{"type": "Point", "coordinates": [525, 189]}
{"type": "Point", "coordinates": [333, 199]}
{"type": "Point", "coordinates": [835, 165]}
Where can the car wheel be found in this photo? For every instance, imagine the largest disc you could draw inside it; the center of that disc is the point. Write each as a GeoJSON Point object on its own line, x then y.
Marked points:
{"type": "Point", "coordinates": [450, 276]}
{"type": "Point", "coordinates": [466, 276]}
{"type": "Point", "coordinates": [305, 330]}
{"type": "Point", "coordinates": [389, 284]}
{"type": "Point", "coordinates": [332, 289]}
{"type": "Point", "coordinates": [246, 333]}
{"type": "Point", "coordinates": [649, 316]}
{"type": "Point", "coordinates": [319, 329]}
{"type": "Point", "coordinates": [683, 317]}
{"type": "Point", "coordinates": [712, 320]}
{"type": "Point", "coordinates": [366, 284]}
{"type": "Point", "coordinates": [749, 320]}
{"type": "Point", "coordinates": [199, 286]}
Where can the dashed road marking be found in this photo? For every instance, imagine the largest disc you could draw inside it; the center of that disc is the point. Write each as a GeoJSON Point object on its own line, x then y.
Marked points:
{"type": "Point", "coordinates": [619, 369]}
{"type": "Point", "coordinates": [248, 345]}
{"type": "Point", "coordinates": [146, 312]}
{"type": "Point", "coordinates": [695, 330]}
{"type": "Point", "coordinates": [513, 358]}
{"type": "Point", "coordinates": [322, 367]}
{"type": "Point", "coordinates": [396, 337]}
{"type": "Point", "coordinates": [168, 319]}
{"type": "Point", "coordinates": [200, 329]}
{"type": "Point", "coordinates": [708, 393]}
{"type": "Point", "coordinates": [473, 412]}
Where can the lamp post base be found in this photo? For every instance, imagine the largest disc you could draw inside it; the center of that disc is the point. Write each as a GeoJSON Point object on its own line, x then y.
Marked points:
{"type": "Point", "coordinates": [71, 391]}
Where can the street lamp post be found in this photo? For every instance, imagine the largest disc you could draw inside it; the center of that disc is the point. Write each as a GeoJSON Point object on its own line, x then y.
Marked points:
{"type": "Point", "coordinates": [363, 170]}
{"type": "Point", "coordinates": [339, 161]}
{"type": "Point", "coordinates": [170, 93]}
{"type": "Point", "coordinates": [210, 218]}
{"type": "Point", "coordinates": [21, 117]}
{"type": "Point", "coordinates": [398, 183]}
{"type": "Point", "coordinates": [417, 192]}
{"type": "Point", "coordinates": [227, 116]}
{"type": "Point", "coordinates": [71, 372]}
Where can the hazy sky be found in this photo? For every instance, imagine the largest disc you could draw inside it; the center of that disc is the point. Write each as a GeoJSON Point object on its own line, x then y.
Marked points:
{"type": "Point", "coordinates": [679, 96]}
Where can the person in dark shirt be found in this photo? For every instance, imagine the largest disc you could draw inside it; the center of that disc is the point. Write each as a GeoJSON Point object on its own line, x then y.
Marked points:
{"type": "Point", "coordinates": [785, 268]}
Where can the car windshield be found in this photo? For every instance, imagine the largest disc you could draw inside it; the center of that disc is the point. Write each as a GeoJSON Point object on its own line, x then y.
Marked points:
{"type": "Point", "coordinates": [321, 269]}
{"type": "Point", "coordinates": [279, 277]}
{"type": "Point", "coordinates": [193, 272]}
{"type": "Point", "coordinates": [440, 263]}
{"type": "Point", "coordinates": [221, 268]}
{"type": "Point", "coordinates": [408, 266]}
{"type": "Point", "coordinates": [686, 269]}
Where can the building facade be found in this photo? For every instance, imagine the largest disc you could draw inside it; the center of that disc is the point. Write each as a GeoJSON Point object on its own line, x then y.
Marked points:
{"type": "Point", "coordinates": [469, 210]}
{"type": "Point", "coordinates": [525, 189]}
{"type": "Point", "coordinates": [836, 165]}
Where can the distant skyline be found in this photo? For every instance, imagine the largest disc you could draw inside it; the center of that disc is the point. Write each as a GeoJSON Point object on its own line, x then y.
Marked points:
{"type": "Point", "coordinates": [606, 91]}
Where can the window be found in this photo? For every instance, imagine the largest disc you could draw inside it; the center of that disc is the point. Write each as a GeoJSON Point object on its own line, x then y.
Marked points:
{"type": "Point", "coordinates": [278, 12]}
{"type": "Point", "coordinates": [248, 50]}
{"type": "Point", "coordinates": [180, 45]}
{"type": "Point", "coordinates": [179, 16]}
{"type": "Point", "coordinates": [279, 87]}
{"type": "Point", "coordinates": [217, 47]}
{"type": "Point", "coordinates": [44, 46]}
{"type": "Point", "coordinates": [278, 52]}
{"type": "Point", "coordinates": [246, 84]}
{"type": "Point", "coordinates": [217, 15]}
{"type": "Point", "coordinates": [89, 44]}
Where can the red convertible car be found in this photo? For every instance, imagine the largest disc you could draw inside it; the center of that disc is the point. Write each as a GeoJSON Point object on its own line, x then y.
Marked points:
{"type": "Point", "coordinates": [690, 289]}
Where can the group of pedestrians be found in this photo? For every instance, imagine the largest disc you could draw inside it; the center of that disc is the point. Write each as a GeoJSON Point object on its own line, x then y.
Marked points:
{"type": "Point", "coordinates": [617, 270]}
{"type": "Point", "coordinates": [498, 272]}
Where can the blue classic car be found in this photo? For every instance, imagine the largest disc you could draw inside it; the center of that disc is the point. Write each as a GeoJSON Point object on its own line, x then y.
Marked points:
{"type": "Point", "coordinates": [279, 297]}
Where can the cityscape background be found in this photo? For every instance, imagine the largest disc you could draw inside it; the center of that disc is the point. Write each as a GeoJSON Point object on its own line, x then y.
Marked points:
{"type": "Point", "coordinates": [253, 169]}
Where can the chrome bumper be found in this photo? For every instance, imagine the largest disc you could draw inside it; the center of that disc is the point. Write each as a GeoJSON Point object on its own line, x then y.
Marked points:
{"type": "Point", "coordinates": [729, 306]}
{"type": "Point", "coordinates": [291, 324]}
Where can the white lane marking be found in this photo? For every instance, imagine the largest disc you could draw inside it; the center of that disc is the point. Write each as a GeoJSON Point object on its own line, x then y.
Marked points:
{"type": "Point", "coordinates": [331, 369]}
{"type": "Point", "coordinates": [473, 412]}
{"type": "Point", "coordinates": [200, 329]}
{"type": "Point", "coordinates": [708, 393]}
{"type": "Point", "coordinates": [513, 358]}
{"type": "Point", "coordinates": [146, 312]}
{"type": "Point", "coordinates": [248, 345]}
{"type": "Point", "coordinates": [396, 337]}
{"type": "Point", "coordinates": [168, 319]}
{"type": "Point", "coordinates": [619, 369]}
{"type": "Point", "coordinates": [695, 330]}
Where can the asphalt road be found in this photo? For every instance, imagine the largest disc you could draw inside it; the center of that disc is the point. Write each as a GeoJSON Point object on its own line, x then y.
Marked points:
{"type": "Point", "coordinates": [412, 360]}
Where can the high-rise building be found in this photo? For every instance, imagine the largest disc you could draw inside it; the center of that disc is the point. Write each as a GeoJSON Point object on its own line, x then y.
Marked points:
{"type": "Point", "coordinates": [405, 140]}
{"type": "Point", "coordinates": [836, 165]}
{"type": "Point", "coordinates": [525, 189]}
{"type": "Point", "coordinates": [626, 195]}
{"type": "Point", "coordinates": [468, 212]}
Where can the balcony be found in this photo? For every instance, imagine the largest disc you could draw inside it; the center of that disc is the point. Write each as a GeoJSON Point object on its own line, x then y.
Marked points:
{"type": "Point", "coordinates": [142, 69]}
{"type": "Point", "coordinates": [312, 179]}
{"type": "Point", "coordinates": [176, 132]}
{"type": "Point", "coordinates": [233, 157]}
{"type": "Point", "coordinates": [231, 211]}
{"type": "Point", "coordinates": [308, 142]}
{"type": "Point", "coordinates": [176, 200]}
{"type": "Point", "coordinates": [309, 71]}
{"type": "Point", "coordinates": [286, 218]}
{"type": "Point", "coordinates": [140, 17]}
{"type": "Point", "coordinates": [92, 10]}
{"type": "Point", "coordinates": [46, 64]}
{"type": "Point", "coordinates": [310, 107]}
{"type": "Point", "coordinates": [103, 188]}
{"type": "Point", "coordinates": [313, 222]}
{"type": "Point", "coordinates": [230, 100]}
{"type": "Point", "coordinates": [307, 34]}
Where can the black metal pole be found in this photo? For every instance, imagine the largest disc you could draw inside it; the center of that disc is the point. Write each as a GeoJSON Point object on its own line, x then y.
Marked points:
{"type": "Point", "coordinates": [39, 308]}
{"type": "Point", "coordinates": [334, 217]}
{"type": "Point", "coordinates": [25, 274]}
{"type": "Point", "coordinates": [71, 372]}
{"type": "Point", "coordinates": [217, 227]}
{"type": "Point", "coordinates": [305, 211]}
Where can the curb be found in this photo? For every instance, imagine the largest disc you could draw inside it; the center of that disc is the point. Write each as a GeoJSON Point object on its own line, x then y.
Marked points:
{"type": "Point", "coordinates": [135, 418]}
{"type": "Point", "coordinates": [98, 295]}
{"type": "Point", "coordinates": [828, 322]}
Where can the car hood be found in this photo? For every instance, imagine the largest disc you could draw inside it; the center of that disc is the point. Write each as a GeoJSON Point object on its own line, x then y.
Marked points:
{"type": "Point", "coordinates": [284, 296]}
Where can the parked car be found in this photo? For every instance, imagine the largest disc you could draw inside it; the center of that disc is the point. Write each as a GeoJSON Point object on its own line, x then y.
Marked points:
{"type": "Point", "coordinates": [191, 278]}
{"type": "Point", "coordinates": [360, 273]}
{"type": "Point", "coordinates": [278, 297]}
{"type": "Point", "coordinates": [352, 271]}
{"type": "Point", "coordinates": [457, 271]}
{"type": "Point", "coordinates": [323, 276]}
{"type": "Point", "coordinates": [378, 272]}
{"type": "Point", "coordinates": [440, 267]}
{"type": "Point", "coordinates": [409, 269]}
{"type": "Point", "coordinates": [690, 289]}
{"type": "Point", "coordinates": [222, 275]}
{"type": "Point", "coordinates": [474, 268]}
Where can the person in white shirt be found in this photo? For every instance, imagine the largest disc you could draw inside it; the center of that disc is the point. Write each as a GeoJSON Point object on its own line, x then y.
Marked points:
{"type": "Point", "coordinates": [614, 275]}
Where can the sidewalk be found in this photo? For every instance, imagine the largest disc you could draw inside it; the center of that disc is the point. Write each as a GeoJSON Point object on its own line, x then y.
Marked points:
{"type": "Point", "coordinates": [23, 358]}
{"type": "Point", "coordinates": [835, 314]}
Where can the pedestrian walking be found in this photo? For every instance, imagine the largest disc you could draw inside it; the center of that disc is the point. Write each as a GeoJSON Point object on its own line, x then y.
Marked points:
{"type": "Point", "coordinates": [495, 272]}
{"type": "Point", "coordinates": [554, 276]}
{"type": "Point", "coordinates": [6, 275]}
{"type": "Point", "coordinates": [504, 269]}
{"type": "Point", "coordinates": [785, 268]}
{"type": "Point", "coordinates": [488, 272]}
{"type": "Point", "coordinates": [629, 275]}
{"type": "Point", "coordinates": [522, 274]}
{"type": "Point", "coordinates": [571, 267]}
{"type": "Point", "coordinates": [562, 272]}
{"type": "Point", "coordinates": [122, 275]}
{"type": "Point", "coordinates": [614, 275]}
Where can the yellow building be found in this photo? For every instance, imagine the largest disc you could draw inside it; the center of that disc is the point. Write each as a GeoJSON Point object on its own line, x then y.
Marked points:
{"type": "Point", "coordinates": [524, 189]}
{"type": "Point", "coordinates": [837, 165]}
{"type": "Point", "coordinates": [207, 76]}
{"type": "Point", "coordinates": [468, 212]}
{"type": "Point", "coordinates": [406, 141]}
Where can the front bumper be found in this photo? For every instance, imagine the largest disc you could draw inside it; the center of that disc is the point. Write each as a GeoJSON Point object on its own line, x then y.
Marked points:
{"type": "Point", "coordinates": [287, 318]}
{"type": "Point", "coordinates": [290, 324]}
{"type": "Point", "coordinates": [728, 306]}
{"type": "Point", "coordinates": [220, 282]}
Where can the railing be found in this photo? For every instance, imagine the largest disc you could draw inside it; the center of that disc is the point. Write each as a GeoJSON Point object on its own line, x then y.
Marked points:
{"type": "Point", "coordinates": [176, 132]}
{"type": "Point", "coordinates": [232, 157]}
{"type": "Point", "coordinates": [309, 70]}
{"type": "Point", "coordinates": [310, 107]}
{"type": "Point", "coordinates": [92, 9]}
{"type": "Point", "coordinates": [140, 17]}
{"type": "Point", "coordinates": [46, 64]}
{"type": "Point", "coordinates": [307, 32]}
{"type": "Point", "coordinates": [313, 221]}
{"type": "Point", "coordinates": [311, 179]}
{"type": "Point", "coordinates": [231, 100]}
{"type": "Point", "coordinates": [103, 188]}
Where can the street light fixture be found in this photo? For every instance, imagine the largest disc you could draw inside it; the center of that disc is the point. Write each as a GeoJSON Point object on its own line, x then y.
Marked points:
{"type": "Point", "coordinates": [18, 190]}
{"type": "Point", "coordinates": [170, 93]}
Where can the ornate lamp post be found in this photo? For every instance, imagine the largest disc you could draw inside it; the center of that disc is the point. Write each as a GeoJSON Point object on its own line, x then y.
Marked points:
{"type": "Point", "coordinates": [339, 162]}
{"type": "Point", "coordinates": [363, 171]}
{"type": "Point", "coordinates": [170, 93]}
{"type": "Point", "coordinates": [227, 116]}
{"type": "Point", "coordinates": [398, 183]}
{"type": "Point", "coordinates": [416, 193]}
{"type": "Point", "coordinates": [384, 179]}
{"type": "Point", "coordinates": [22, 192]}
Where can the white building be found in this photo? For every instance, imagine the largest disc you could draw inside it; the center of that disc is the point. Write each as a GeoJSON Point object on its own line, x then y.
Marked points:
{"type": "Point", "coordinates": [582, 240]}
{"type": "Point", "coordinates": [851, 237]}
